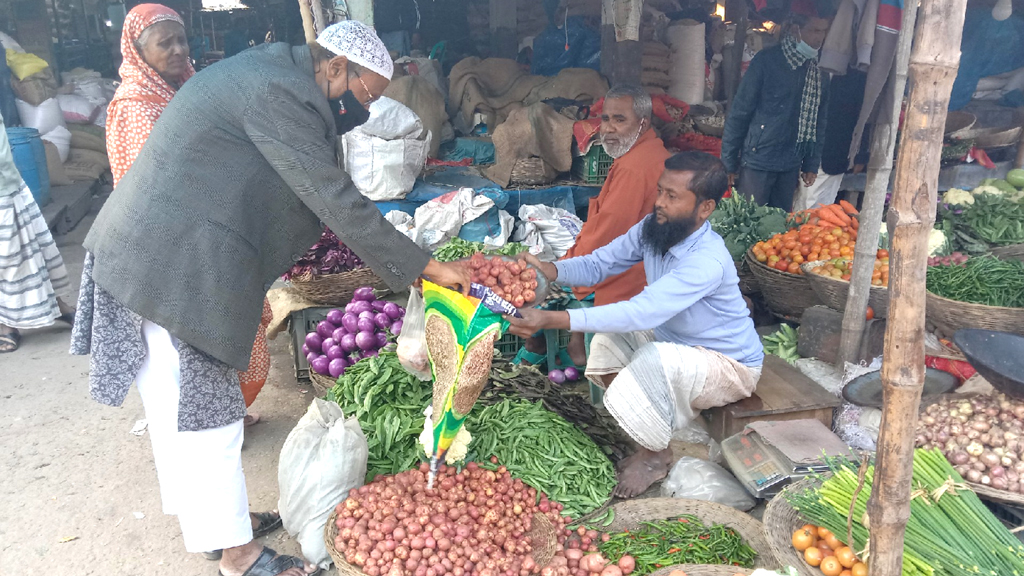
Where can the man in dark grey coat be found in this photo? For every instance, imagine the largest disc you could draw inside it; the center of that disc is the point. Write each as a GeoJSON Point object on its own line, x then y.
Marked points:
{"type": "Point", "coordinates": [229, 190]}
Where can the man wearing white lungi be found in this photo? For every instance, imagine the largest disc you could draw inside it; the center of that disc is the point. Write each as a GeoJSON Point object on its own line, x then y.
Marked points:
{"type": "Point", "coordinates": [684, 344]}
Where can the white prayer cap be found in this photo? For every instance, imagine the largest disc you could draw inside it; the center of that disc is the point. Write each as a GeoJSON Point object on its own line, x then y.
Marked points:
{"type": "Point", "coordinates": [360, 44]}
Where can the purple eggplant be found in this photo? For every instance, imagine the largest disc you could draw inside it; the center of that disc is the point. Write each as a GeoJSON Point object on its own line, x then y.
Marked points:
{"type": "Point", "coordinates": [320, 365]}
{"type": "Point", "coordinates": [392, 310]}
{"type": "Point", "coordinates": [364, 293]}
{"type": "Point", "coordinates": [335, 352]}
{"type": "Point", "coordinates": [339, 334]}
{"type": "Point", "coordinates": [366, 325]}
{"type": "Point", "coordinates": [382, 320]}
{"type": "Point", "coordinates": [334, 317]}
{"type": "Point", "coordinates": [325, 329]}
{"type": "Point", "coordinates": [337, 367]}
{"type": "Point", "coordinates": [382, 339]}
{"type": "Point", "coordinates": [348, 343]}
{"type": "Point", "coordinates": [366, 341]}
{"type": "Point", "coordinates": [314, 341]}
{"type": "Point", "coordinates": [396, 327]}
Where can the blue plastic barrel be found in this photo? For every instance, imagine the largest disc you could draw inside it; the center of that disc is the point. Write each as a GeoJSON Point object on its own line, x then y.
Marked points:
{"type": "Point", "coordinates": [30, 158]}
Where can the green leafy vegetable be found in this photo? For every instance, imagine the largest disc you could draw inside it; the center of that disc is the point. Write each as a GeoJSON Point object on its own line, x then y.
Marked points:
{"type": "Point", "coordinates": [741, 222]}
{"type": "Point", "coordinates": [459, 249]}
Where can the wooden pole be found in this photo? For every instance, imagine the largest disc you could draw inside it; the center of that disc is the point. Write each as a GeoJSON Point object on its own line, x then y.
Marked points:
{"type": "Point", "coordinates": [883, 144]}
{"type": "Point", "coordinates": [933, 67]}
{"type": "Point", "coordinates": [307, 21]}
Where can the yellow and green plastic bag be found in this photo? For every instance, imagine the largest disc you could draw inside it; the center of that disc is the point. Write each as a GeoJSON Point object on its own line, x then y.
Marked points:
{"type": "Point", "coordinates": [460, 334]}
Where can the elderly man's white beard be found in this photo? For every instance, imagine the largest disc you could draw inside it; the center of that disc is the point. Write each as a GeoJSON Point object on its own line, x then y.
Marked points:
{"type": "Point", "coordinates": [618, 150]}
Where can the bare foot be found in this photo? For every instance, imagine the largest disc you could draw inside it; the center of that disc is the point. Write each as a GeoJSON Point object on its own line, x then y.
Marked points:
{"type": "Point", "coordinates": [251, 419]}
{"type": "Point", "coordinates": [236, 561]}
{"type": "Point", "coordinates": [641, 470]}
{"type": "Point", "coordinates": [577, 349]}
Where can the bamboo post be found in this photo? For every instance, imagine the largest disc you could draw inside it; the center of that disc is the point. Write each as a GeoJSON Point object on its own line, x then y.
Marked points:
{"type": "Point", "coordinates": [307, 20]}
{"type": "Point", "coordinates": [883, 144]}
{"type": "Point", "coordinates": [933, 67]}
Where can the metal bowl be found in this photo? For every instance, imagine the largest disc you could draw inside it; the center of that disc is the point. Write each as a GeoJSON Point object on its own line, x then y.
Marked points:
{"type": "Point", "coordinates": [997, 356]}
{"type": "Point", "coordinates": [866, 390]}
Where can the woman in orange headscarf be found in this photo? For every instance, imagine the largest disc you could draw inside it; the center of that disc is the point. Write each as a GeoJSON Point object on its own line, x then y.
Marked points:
{"type": "Point", "coordinates": [155, 65]}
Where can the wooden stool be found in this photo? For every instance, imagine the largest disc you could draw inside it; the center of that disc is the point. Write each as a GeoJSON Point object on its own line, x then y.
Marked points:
{"type": "Point", "coordinates": [782, 393]}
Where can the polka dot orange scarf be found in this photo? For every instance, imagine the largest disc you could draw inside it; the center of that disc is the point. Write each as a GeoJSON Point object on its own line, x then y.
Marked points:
{"type": "Point", "coordinates": [143, 94]}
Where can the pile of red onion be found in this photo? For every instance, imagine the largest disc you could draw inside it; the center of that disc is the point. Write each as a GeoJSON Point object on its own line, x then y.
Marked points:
{"type": "Point", "coordinates": [359, 332]}
{"type": "Point", "coordinates": [982, 437]}
{"type": "Point", "coordinates": [472, 523]}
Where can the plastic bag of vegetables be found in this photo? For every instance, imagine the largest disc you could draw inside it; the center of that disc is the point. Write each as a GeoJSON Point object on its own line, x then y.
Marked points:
{"type": "Point", "coordinates": [412, 342]}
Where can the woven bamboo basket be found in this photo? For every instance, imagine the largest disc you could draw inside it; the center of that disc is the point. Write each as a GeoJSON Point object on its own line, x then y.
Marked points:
{"type": "Point", "coordinates": [542, 535]}
{"type": "Point", "coordinates": [703, 570]}
{"type": "Point", "coordinates": [748, 282]}
{"type": "Point", "coordinates": [532, 172]}
{"type": "Point", "coordinates": [629, 515]}
{"type": "Point", "coordinates": [1011, 252]}
{"type": "Point", "coordinates": [787, 294]}
{"type": "Point", "coordinates": [991, 494]}
{"type": "Point", "coordinates": [833, 292]}
{"type": "Point", "coordinates": [951, 315]}
{"type": "Point", "coordinates": [321, 384]}
{"type": "Point", "coordinates": [336, 289]}
{"type": "Point", "coordinates": [958, 123]}
{"type": "Point", "coordinates": [780, 521]}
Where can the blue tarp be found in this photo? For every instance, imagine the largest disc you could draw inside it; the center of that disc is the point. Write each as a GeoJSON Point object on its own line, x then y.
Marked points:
{"type": "Point", "coordinates": [989, 47]}
{"type": "Point", "coordinates": [573, 199]}
{"type": "Point", "coordinates": [572, 46]}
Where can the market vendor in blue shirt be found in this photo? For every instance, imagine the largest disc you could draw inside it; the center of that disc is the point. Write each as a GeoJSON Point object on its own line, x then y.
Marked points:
{"type": "Point", "coordinates": [684, 344]}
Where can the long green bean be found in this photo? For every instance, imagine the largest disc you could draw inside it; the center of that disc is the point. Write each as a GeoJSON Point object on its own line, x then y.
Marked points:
{"type": "Point", "coordinates": [981, 280]}
{"type": "Point", "coordinates": [681, 540]}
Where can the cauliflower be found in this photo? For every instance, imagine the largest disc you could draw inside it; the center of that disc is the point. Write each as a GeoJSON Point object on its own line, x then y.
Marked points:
{"type": "Point", "coordinates": [985, 189]}
{"type": "Point", "coordinates": [460, 445]}
{"type": "Point", "coordinates": [936, 242]}
{"type": "Point", "coordinates": [958, 197]}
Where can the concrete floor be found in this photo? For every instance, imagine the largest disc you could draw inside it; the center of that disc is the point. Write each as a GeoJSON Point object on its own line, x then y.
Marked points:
{"type": "Point", "coordinates": [74, 481]}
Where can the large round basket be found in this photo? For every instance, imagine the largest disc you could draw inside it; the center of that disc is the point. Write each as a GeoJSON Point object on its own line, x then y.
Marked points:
{"type": "Point", "coordinates": [748, 282]}
{"type": "Point", "coordinates": [336, 289]}
{"type": "Point", "coordinates": [1011, 252]}
{"type": "Point", "coordinates": [542, 535]}
{"type": "Point", "coordinates": [958, 123]}
{"type": "Point", "coordinates": [703, 570]}
{"type": "Point", "coordinates": [991, 494]}
{"type": "Point", "coordinates": [780, 521]}
{"type": "Point", "coordinates": [950, 315]}
{"type": "Point", "coordinates": [629, 515]}
{"type": "Point", "coordinates": [321, 384]}
{"type": "Point", "coordinates": [787, 294]}
{"type": "Point", "coordinates": [833, 291]}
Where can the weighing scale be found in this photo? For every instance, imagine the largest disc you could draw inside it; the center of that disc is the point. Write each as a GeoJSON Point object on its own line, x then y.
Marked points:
{"type": "Point", "coordinates": [760, 467]}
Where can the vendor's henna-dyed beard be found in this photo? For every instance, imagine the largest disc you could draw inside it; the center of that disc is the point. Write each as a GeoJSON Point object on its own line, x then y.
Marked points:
{"type": "Point", "coordinates": [662, 237]}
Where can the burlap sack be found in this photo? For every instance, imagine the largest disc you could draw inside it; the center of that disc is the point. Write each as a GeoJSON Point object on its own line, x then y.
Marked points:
{"type": "Point", "coordinates": [88, 137]}
{"type": "Point", "coordinates": [83, 171]}
{"type": "Point", "coordinates": [37, 88]}
{"type": "Point", "coordinates": [89, 156]}
{"type": "Point", "coordinates": [54, 166]}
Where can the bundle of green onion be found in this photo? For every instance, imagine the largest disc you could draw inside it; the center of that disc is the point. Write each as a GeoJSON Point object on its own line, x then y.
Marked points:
{"type": "Point", "coordinates": [950, 532]}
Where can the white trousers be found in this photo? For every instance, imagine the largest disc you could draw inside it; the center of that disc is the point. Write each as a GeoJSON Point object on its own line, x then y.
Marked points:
{"type": "Point", "coordinates": [823, 191]}
{"type": "Point", "coordinates": [200, 473]}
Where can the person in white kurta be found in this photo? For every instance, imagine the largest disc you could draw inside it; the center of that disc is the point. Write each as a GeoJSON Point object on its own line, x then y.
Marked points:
{"type": "Point", "coordinates": [32, 272]}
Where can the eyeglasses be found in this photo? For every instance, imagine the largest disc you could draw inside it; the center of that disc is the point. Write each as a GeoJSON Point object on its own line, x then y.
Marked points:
{"type": "Point", "coordinates": [368, 93]}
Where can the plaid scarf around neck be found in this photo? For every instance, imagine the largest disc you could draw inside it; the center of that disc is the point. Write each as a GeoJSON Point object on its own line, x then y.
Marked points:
{"type": "Point", "coordinates": [810, 100]}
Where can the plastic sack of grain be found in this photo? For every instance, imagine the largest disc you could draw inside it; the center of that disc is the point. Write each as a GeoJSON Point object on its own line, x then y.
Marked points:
{"type": "Point", "coordinates": [77, 109]}
{"type": "Point", "coordinates": [461, 332]}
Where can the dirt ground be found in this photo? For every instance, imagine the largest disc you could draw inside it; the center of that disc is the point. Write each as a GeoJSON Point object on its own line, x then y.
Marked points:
{"type": "Point", "coordinates": [78, 492]}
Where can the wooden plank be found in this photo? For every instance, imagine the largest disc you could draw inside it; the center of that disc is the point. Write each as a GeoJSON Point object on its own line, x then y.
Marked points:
{"type": "Point", "coordinates": [782, 388]}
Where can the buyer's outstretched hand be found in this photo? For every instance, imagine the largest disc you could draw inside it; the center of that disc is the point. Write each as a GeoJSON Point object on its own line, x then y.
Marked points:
{"type": "Point", "coordinates": [453, 275]}
{"type": "Point", "coordinates": [534, 320]}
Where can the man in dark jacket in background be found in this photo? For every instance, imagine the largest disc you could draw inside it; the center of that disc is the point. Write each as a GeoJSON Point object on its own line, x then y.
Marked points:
{"type": "Point", "coordinates": [397, 22]}
{"type": "Point", "coordinates": [775, 129]}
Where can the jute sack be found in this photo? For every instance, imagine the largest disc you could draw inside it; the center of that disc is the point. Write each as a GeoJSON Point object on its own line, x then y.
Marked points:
{"type": "Point", "coordinates": [54, 166]}
{"type": "Point", "coordinates": [90, 156]}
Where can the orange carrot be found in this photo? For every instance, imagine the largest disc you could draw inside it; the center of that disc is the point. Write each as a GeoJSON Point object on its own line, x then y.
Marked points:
{"type": "Point", "coordinates": [848, 208]}
{"type": "Point", "coordinates": [839, 214]}
{"type": "Point", "coordinates": [855, 223]}
{"type": "Point", "coordinates": [828, 218]}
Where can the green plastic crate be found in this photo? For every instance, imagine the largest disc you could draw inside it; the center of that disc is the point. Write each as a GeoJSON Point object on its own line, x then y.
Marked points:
{"type": "Point", "coordinates": [592, 167]}
{"type": "Point", "coordinates": [303, 322]}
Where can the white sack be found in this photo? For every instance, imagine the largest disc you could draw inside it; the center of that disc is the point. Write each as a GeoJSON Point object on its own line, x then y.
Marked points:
{"type": "Point", "coordinates": [386, 155]}
{"type": "Point", "coordinates": [322, 459]}
{"type": "Point", "coordinates": [557, 227]}
{"type": "Point", "coordinates": [441, 219]}
{"type": "Point", "coordinates": [403, 223]}
{"type": "Point", "coordinates": [44, 117]}
{"type": "Point", "coordinates": [77, 109]}
{"type": "Point", "coordinates": [61, 138]}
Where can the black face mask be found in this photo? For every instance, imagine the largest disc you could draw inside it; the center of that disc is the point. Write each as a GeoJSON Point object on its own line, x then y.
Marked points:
{"type": "Point", "coordinates": [348, 112]}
